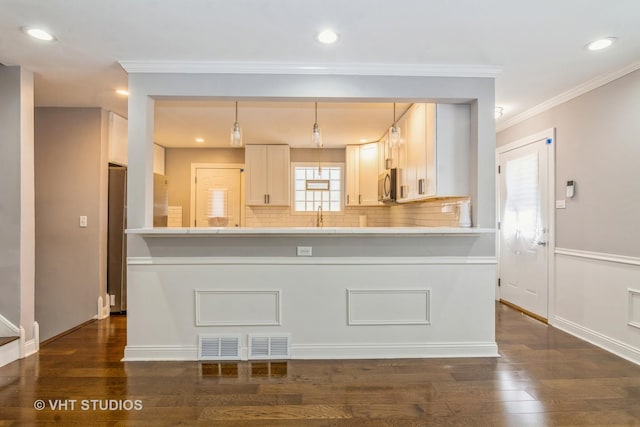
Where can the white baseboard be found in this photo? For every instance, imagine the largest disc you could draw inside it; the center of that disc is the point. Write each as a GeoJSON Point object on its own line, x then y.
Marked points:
{"type": "Point", "coordinates": [104, 311]}
{"type": "Point", "coordinates": [614, 346]}
{"type": "Point", "coordinates": [389, 351]}
{"type": "Point", "coordinates": [9, 352]}
{"type": "Point", "coordinates": [160, 352]}
{"type": "Point", "coordinates": [329, 351]}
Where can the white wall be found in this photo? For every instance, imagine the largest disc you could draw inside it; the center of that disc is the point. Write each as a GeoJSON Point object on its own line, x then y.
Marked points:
{"type": "Point", "coordinates": [597, 252]}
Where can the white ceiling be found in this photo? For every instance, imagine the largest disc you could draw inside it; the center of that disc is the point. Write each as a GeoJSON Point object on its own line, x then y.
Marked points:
{"type": "Point", "coordinates": [538, 44]}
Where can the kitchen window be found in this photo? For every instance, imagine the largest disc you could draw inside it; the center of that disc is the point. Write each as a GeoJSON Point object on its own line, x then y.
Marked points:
{"type": "Point", "coordinates": [317, 185]}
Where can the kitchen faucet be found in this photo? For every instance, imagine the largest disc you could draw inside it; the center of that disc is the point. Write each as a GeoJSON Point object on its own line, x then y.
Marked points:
{"type": "Point", "coordinates": [319, 219]}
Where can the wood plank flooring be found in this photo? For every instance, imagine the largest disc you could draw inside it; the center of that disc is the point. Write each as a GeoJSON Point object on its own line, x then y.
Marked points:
{"type": "Point", "coordinates": [544, 378]}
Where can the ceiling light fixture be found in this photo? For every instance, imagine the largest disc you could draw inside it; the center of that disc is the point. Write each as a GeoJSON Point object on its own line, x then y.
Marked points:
{"type": "Point", "coordinates": [316, 136]}
{"type": "Point", "coordinates": [394, 130]}
{"type": "Point", "coordinates": [236, 132]}
{"type": "Point", "coordinates": [601, 43]}
{"type": "Point", "coordinates": [498, 112]}
{"type": "Point", "coordinates": [39, 33]}
{"type": "Point", "coordinates": [200, 140]}
{"type": "Point", "coordinates": [122, 92]}
{"type": "Point", "coordinates": [327, 37]}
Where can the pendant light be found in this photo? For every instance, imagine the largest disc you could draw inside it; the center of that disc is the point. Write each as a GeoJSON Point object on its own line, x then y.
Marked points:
{"type": "Point", "coordinates": [394, 130]}
{"type": "Point", "coordinates": [316, 136]}
{"type": "Point", "coordinates": [236, 132]}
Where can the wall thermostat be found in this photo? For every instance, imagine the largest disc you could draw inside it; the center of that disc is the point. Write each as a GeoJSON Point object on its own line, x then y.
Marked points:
{"type": "Point", "coordinates": [571, 188]}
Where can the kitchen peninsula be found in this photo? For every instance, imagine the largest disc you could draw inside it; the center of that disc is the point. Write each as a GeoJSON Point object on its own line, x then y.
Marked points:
{"type": "Point", "coordinates": [326, 292]}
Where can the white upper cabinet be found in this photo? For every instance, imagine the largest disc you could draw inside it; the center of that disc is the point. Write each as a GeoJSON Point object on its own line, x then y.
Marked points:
{"type": "Point", "coordinates": [118, 135]}
{"type": "Point", "coordinates": [353, 175]}
{"type": "Point", "coordinates": [268, 175]}
{"type": "Point", "coordinates": [362, 174]}
{"type": "Point", "coordinates": [433, 155]}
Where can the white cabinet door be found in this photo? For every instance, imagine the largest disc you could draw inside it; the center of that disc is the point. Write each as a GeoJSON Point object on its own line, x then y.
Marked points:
{"type": "Point", "coordinates": [278, 175]}
{"type": "Point", "coordinates": [268, 175]}
{"type": "Point", "coordinates": [368, 174]}
{"type": "Point", "coordinates": [418, 151]}
{"type": "Point", "coordinates": [353, 175]}
{"type": "Point", "coordinates": [255, 160]}
{"type": "Point", "coordinates": [404, 168]}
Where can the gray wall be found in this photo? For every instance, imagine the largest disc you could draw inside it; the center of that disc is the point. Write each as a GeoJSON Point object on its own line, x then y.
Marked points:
{"type": "Point", "coordinates": [16, 198]}
{"type": "Point", "coordinates": [70, 166]}
{"type": "Point", "coordinates": [598, 146]}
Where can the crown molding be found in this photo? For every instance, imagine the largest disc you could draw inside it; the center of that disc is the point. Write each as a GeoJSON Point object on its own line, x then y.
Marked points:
{"type": "Point", "coordinates": [581, 89]}
{"type": "Point", "coordinates": [210, 67]}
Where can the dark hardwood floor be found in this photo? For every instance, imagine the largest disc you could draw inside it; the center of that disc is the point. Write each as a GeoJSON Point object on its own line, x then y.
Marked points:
{"type": "Point", "coordinates": [544, 377]}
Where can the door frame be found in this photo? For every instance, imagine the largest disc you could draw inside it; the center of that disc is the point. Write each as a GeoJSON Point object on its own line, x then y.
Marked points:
{"type": "Point", "coordinates": [549, 134]}
{"type": "Point", "coordinates": [192, 201]}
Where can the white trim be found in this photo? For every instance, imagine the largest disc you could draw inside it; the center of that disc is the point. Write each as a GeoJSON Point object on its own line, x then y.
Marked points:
{"type": "Point", "coordinates": [4, 323]}
{"type": "Point", "coordinates": [363, 69]}
{"type": "Point", "coordinates": [620, 259]}
{"type": "Point", "coordinates": [160, 352]}
{"type": "Point", "coordinates": [192, 201]}
{"type": "Point", "coordinates": [30, 347]}
{"type": "Point", "coordinates": [551, 214]}
{"type": "Point", "coordinates": [310, 260]}
{"type": "Point", "coordinates": [612, 345]}
{"type": "Point", "coordinates": [353, 322]}
{"type": "Point", "coordinates": [104, 311]}
{"type": "Point", "coordinates": [278, 307]}
{"type": "Point", "coordinates": [329, 351]}
{"type": "Point", "coordinates": [9, 352]}
{"type": "Point", "coordinates": [27, 348]}
{"type": "Point", "coordinates": [387, 351]}
{"type": "Point", "coordinates": [630, 315]}
{"type": "Point", "coordinates": [567, 96]}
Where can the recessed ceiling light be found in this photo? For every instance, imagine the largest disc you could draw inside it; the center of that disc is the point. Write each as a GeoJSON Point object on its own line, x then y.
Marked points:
{"type": "Point", "coordinates": [39, 33]}
{"type": "Point", "coordinates": [200, 140]}
{"type": "Point", "coordinates": [122, 92]}
{"type": "Point", "coordinates": [327, 37]}
{"type": "Point", "coordinates": [601, 43]}
{"type": "Point", "coordinates": [363, 140]}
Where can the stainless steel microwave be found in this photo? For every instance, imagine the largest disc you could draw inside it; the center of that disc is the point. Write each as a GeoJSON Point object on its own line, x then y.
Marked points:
{"type": "Point", "coordinates": [387, 186]}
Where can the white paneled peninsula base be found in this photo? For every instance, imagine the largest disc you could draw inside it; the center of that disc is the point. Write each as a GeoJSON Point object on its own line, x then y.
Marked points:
{"type": "Point", "coordinates": [363, 293]}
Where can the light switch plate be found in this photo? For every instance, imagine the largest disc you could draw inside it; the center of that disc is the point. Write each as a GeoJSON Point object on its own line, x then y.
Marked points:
{"type": "Point", "coordinates": [561, 204]}
{"type": "Point", "coordinates": [305, 251]}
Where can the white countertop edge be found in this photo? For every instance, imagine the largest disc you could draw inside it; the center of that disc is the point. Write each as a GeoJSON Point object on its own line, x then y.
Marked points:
{"type": "Point", "coordinates": [309, 231]}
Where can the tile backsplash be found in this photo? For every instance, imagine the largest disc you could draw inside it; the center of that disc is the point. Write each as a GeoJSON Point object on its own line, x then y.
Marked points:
{"type": "Point", "coordinates": [442, 212]}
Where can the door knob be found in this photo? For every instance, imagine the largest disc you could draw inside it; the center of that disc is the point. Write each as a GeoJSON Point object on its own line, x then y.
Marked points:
{"type": "Point", "coordinates": [542, 243]}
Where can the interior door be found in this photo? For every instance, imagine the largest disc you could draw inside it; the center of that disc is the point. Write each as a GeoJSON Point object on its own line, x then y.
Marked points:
{"type": "Point", "coordinates": [524, 226]}
{"type": "Point", "coordinates": [218, 200]}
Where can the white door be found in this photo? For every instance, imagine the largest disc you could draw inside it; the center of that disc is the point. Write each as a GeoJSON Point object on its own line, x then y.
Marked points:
{"type": "Point", "coordinates": [524, 226]}
{"type": "Point", "coordinates": [218, 200]}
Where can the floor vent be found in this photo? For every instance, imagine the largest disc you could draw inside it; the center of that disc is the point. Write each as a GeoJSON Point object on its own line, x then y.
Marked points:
{"type": "Point", "coordinates": [218, 347]}
{"type": "Point", "coordinates": [269, 347]}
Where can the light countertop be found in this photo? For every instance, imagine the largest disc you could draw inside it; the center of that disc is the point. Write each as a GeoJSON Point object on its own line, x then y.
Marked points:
{"type": "Point", "coordinates": [310, 231]}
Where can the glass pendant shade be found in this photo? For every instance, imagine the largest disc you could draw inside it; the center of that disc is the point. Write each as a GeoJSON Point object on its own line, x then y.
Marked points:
{"type": "Point", "coordinates": [394, 136]}
{"type": "Point", "coordinates": [236, 132]}
{"type": "Point", "coordinates": [394, 130]}
{"type": "Point", "coordinates": [316, 135]}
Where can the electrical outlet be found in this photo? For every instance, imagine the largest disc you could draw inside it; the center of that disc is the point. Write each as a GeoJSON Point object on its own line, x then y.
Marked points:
{"type": "Point", "coordinates": [305, 251]}
{"type": "Point", "coordinates": [83, 221]}
{"type": "Point", "coordinates": [112, 300]}
{"type": "Point", "coordinates": [561, 204]}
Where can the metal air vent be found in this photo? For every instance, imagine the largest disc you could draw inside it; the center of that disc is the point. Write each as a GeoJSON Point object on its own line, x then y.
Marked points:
{"type": "Point", "coordinates": [217, 347]}
{"type": "Point", "coordinates": [269, 347]}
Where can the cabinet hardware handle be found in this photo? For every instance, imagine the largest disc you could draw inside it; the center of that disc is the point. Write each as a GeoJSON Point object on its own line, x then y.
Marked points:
{"type": "Point", "coordinates": [347, 199]}
{"type": "Point", "coordinates": [269, 198]}
{"type": "Point", "coordinates": [265, 199]}
{"type": "Point", "coordinates": [359, 199]}
{"type": "Point", "coordinates": [421, 186]}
